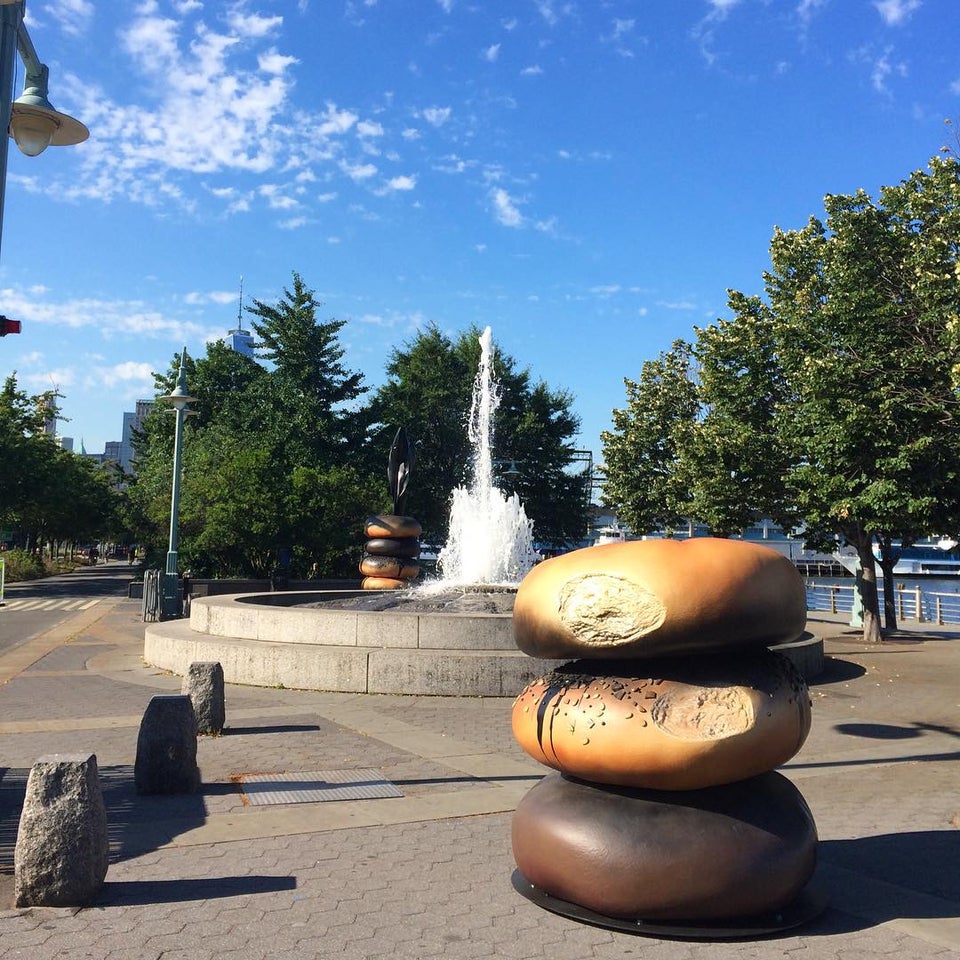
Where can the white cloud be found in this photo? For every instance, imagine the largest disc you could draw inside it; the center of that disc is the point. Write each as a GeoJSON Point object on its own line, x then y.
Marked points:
{"type": "Point", "coordinates": [492, 53]}
{"type": "Point", "coordinates": [212, 296]}
{"type": "Point", "coordinates": [437, 116]}
{"type": "Point", "coordinates": [72, 16]}
{"type": "Point", "coordinates": [48, 379]}
{"type": "Point", "coordinates": [252, 25]}
{"type": "Point", "coordinates": [276, 198]}
{"type": "Point", "coordinates": [547, 11]}
{"type": "Point", "coordinates": [336, 121]}
{"type": "Point", "coordinates": [402, 183]}
{"type": "Point", "coordinates": [108, 318]}
{"type": "Point", "coordinates": [275, 63]}
{"type": "Point", "coordinates": [882, 66]}
{"type": "Point", "coordinates": [358, 171]}
{"type": "Point", "coordinates": [445, 5]}
{"type": "Point", "coordinates": [705, 31]}
{"type": "Point", "coordinates": [895, 12]}
{"type": "Point", "coordinates": [534, 70]}
{"type": "Point", "coordinates": [369, 128]}
{"type": "Point", "coordinates": [806, 9]}
{"type": "Point", "coordinates": [127, 371]}
{"type": "Point", "coordinates": [676, 304]}
{"type": "Point", "coordinates": [505, 208]}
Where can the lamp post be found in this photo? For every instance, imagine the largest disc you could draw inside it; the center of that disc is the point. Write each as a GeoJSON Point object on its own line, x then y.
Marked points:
{"type": "Point", "coordinates": [180, 400]}
{"type": "Point", "coordinates": [31, 119]}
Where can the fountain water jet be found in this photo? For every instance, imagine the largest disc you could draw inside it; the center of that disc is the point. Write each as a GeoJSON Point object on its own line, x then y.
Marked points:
{"type": "Point", "coordinates": [490, 541]}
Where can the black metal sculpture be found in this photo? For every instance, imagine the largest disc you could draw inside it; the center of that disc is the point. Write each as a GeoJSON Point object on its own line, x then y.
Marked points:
{"type": "Point", "coordinates": [393, 540]}
{"type": "Point", "coordinates": [399, 467]}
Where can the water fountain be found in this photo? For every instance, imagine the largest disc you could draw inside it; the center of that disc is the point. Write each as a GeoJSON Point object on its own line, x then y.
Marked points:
{"type": "Point", "coordinates": [449, 637]}
{"type": "Point", "coordinates": [490, 540]}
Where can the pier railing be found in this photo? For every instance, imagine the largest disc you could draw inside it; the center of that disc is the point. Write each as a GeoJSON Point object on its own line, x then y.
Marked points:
{"type": "Point", "coordinates": [913, 603]}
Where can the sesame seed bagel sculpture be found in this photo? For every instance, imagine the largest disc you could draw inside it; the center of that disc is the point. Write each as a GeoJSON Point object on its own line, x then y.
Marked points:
{"type": "Point", "coordinates": [664, 732]}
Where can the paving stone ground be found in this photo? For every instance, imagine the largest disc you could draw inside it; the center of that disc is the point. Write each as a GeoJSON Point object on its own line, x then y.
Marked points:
{"type": "Point", "coordinates": [428, 875]}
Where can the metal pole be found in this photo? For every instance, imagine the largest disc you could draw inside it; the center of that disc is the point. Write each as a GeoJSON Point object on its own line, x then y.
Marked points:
{"type": "Point", "coordinates": [11, 16]}
{"type": "Point", "coordinates": [171, 586]}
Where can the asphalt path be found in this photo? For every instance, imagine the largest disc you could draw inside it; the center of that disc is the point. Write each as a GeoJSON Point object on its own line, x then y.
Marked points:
{"type": "Point", "coordinates": [35, 606]}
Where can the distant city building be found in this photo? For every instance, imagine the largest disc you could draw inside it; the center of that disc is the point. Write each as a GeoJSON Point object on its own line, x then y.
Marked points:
{"type": "Point", "coordinates": [132, 423]}
{"type": "Point", "coordinates": [241, 341]}
{"type": "Point", "coordinates": [238, 339]}
{"type": "Point", "coordinates": [50, 419]}
{"type": "Point", "coordinates": [65, 443]}
{"type": "Point", "coordinates": [111, 451]}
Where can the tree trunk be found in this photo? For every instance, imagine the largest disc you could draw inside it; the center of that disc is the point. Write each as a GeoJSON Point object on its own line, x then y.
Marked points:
{"type": "Point", "coordinates": [888, 560]}
{"type": "Point", "coordinates": [871, 601]}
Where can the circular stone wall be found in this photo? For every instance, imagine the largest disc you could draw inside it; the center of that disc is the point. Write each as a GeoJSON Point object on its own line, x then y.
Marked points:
{"type": "Point", "coordinates": [272, 640]}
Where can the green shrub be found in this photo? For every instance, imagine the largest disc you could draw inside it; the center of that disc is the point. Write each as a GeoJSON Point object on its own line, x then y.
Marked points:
{"type": "Point", "coordinates": [21, 565]}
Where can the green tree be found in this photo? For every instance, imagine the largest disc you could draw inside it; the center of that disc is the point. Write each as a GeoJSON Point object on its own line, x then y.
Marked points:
{"type": "Point", "coordinates": [311, 389]}
{"type": "Point", "coordinates": [272, 459]}
{"type": "Point", "coordinates": [833, 400]}
{"type": "Point", "coordinates": [863, 330]}
{"type": "Point", "coordinates": [643, 454]}
{"type": "Point", "coordinates": [48, 493]}
{"type": "Point", "coordinates": [732, 460]}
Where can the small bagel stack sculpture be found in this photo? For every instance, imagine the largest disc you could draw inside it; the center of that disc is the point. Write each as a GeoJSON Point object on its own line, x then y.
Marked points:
{"type": "Point", "coordinates": [665, 731]}
{"type": "Point", "coordinates": [392, 548]}
{"type": "Point", "coordinates": [393, 541]}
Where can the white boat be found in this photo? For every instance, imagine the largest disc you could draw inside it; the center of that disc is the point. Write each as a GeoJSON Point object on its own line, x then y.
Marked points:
{"type": "Point", "coordinates": [928, 558]}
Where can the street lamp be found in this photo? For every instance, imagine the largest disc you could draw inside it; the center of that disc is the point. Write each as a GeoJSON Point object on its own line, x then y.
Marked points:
{"type": "Point", "coordinates": [31, 119]}
{"type": "Point", "coordinates": [179, 400]}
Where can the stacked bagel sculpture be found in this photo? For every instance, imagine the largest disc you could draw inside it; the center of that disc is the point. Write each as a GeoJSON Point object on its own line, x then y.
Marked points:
{"type": "Point", "coordinates": [665, 732]}
{"type": "Point", "coordinates": [390, 555]}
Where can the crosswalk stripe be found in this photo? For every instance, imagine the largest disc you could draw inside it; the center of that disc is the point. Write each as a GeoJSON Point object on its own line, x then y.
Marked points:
{"type": "Point", "coordinates": [69, 603]}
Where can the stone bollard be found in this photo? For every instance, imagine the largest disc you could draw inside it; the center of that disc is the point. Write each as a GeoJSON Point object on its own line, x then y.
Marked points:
{"type": "Point", "coordinates": [203, 683]}
{"type": "Point", "coordinates": [167, 748]}
{"type": "Point", "coordinates": [62, 848]}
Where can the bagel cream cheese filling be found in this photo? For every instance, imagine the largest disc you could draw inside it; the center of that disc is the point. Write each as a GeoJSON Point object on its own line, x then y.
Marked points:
{"type": "Point", "coordinates": [704, 713]}
{"type": "Point", "coordinates": [608, 611]}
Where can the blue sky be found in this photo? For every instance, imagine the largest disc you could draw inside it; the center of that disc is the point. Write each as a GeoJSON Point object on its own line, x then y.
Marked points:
{"type": "Point", "coordinates": [587, 177]}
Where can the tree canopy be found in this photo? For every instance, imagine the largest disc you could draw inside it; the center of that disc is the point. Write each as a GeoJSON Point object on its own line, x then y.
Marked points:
{"type": "Point", "coordinates": [831, 401]}
{"type": "Point", "coordinates": [48, 494]}
{"type": "Point", "coordinates": [286, 455]}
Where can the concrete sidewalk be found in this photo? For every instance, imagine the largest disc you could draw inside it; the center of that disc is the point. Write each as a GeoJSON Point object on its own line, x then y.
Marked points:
{"type": "Point", "coordinates": [428, 874]}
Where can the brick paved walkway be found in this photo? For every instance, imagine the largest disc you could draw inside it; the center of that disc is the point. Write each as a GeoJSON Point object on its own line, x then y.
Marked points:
{"type": "Point", "coordinates": [428, 875]}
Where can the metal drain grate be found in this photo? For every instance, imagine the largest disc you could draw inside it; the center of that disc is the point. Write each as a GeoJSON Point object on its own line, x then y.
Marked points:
{"type": "Point", "coordinates": [260, 789]}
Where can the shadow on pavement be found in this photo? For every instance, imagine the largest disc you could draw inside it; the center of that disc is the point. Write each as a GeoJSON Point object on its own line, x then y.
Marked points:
{"type": "Point", "coordinates": [276, 728]}
{"type": "Point", "coordinates": [836, 670]}
{"type": "Point", "coordinates": [909, 870]}
{"type": "Point", "coordinates": [925, 861]}
{"type": "Point", "coordinates": [126, 893]}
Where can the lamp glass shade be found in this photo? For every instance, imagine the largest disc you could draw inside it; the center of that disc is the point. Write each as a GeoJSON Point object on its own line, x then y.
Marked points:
{"type": "Point", "coordinates": [32, 130]}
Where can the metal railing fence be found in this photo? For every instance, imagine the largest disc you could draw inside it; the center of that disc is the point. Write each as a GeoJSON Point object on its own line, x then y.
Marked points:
{"type": "Point", "coordinates": [913, 603]}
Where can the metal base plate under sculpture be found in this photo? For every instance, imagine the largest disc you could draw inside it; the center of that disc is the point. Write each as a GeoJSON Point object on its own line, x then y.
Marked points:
{"type": "Point", "coordinates": [809, 904]}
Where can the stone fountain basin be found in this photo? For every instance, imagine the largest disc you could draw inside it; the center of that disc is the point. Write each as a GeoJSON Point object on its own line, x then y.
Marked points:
{"type": "Point", "coordinates": [272, 640]}
{"type": "Point", "coordinates": [268, 640]}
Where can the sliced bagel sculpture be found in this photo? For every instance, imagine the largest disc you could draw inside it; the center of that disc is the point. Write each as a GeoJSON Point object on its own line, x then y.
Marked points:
{"type": "Point", "coordinates": [649, 598]}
